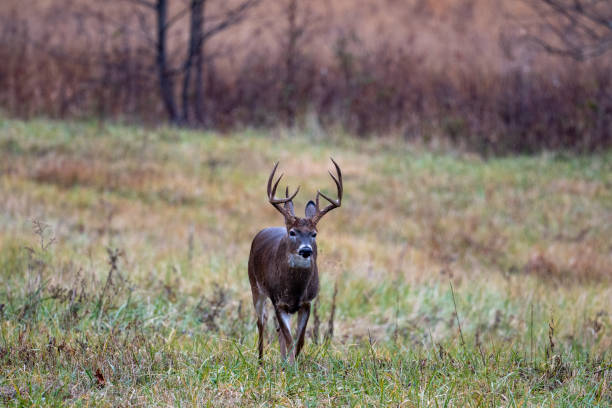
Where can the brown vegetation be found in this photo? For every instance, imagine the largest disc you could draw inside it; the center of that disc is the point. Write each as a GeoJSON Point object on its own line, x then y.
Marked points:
{"type": "Point", "coordinates": [429, 70]}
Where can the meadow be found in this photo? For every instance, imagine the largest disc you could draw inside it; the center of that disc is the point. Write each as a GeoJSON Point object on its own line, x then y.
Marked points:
{"type": "Point", "coordinates": [447, 279]}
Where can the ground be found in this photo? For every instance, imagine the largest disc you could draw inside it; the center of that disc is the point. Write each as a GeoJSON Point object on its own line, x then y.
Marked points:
{"type": "Point", "coordinates": [461, 281]}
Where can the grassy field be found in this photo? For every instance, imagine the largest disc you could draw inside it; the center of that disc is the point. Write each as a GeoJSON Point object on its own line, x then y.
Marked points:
{"type": "Point", "coordinates": [460, 281]}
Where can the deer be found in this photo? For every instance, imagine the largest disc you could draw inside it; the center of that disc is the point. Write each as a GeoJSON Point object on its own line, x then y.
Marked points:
{"type": "Point", "coordinates": [283, 265]}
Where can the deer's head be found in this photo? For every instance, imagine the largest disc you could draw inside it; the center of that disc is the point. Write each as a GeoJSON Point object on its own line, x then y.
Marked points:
{"type": "Point", "coordinates": [302, 232]}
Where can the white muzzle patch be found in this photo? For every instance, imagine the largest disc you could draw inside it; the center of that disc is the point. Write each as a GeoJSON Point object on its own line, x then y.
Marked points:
{"type": "Point", "coordinates": [297, 261]}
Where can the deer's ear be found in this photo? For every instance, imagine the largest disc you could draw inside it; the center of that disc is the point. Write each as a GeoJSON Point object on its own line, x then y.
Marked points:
{"type": "Point", "coordinates": [289, 207]}
{"type": "Point", "coordinates": [311, 209]}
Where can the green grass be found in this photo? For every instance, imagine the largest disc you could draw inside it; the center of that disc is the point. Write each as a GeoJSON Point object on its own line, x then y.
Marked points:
{"type": "Point", "coordinates": [524, 242]}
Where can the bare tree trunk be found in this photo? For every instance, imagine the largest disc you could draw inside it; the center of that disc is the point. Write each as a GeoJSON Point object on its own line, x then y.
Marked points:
{"type": "Point", "coordinates": [185, 91]}
{"type": "Point", "coordinates": [195, 54]}
{"type": "Point", "coordinates": [165, 78]}
{"type": "Point", "coordinates": [199, 64]}
{"type": "Point", "coordinates": [194, 61]}
{"type": "Point", "coordinates": [293, 34]}
{"type": "Point", "coordinates": [301, 23]}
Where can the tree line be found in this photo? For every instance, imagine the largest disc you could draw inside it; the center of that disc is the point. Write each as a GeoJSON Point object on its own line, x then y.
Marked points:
{"type": "Point", "coordinates": [152, 60]}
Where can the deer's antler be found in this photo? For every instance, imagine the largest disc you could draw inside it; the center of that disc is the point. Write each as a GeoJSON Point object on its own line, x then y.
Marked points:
{"type": "Point", "coordinates": [276, 202]}
{"type": "Point", "coordinates": [333, 203]}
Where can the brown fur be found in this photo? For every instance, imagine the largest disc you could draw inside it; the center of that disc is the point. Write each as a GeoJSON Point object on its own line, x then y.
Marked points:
{"type": "Point", "coordinates": [281, 272]}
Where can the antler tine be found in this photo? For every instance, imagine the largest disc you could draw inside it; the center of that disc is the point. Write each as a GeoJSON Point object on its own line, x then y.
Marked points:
{"type": "Point", "coordinates": [339, 180]}
{"type": "Point", "coordinates": [297, 190]}
{"type": "Point", "coordinates": [271, 178]}
{"type": "Point", "coordinates": [275, 200]}
{"type": "Point", "coordinates": [336, 203]}
{"type": "Point", "coordinates": [272, 193]}
{"type": "Point", "coordinates": [333, 203]}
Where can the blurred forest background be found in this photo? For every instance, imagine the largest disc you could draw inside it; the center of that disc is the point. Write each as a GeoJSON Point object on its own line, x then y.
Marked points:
{"type": "Point", "coordinates": [493, 77]}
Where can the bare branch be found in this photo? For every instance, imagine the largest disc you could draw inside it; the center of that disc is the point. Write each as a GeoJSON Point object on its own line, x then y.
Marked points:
{"type": "Point", "coordinates": [580, 29]}
{"type": "Point", "coordinates": [177, 17]}
{"type": "Point", "coordinates": [232, 17]}
{"type": "Point", "coordinates": [144, 3]}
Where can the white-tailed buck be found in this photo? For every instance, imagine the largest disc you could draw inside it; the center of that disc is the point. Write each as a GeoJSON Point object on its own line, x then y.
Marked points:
{"type": "Point", "coordinates": [283, 265]}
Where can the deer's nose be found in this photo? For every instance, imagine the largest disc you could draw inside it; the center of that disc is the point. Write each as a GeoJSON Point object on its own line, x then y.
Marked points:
{"type": "Point", "coordinates": [305, 251]}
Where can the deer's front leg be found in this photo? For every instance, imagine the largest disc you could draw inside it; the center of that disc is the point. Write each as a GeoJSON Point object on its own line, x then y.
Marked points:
{"type": "Point", "coordinates": [303, 315]}
{"type": "Point", "coordinates": [259, 300]}
{"type": "Point", "coordinates": [284, 334]}
{"type": "Point", "coordinates": [281, 340]}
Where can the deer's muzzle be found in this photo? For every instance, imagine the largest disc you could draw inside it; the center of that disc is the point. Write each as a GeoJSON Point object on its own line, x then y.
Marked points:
{"type": "Point", "coordinates": [305, 251]}
{"type": "Point", "coordinates": [299, 262]}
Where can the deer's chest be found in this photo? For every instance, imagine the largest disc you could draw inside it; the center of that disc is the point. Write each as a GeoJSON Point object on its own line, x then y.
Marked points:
{"type": "Point", "coordinates": [295, 287]}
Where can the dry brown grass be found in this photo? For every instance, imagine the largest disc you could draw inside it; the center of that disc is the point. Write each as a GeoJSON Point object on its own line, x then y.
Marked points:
{"type": "Point", "coordinates": [440, 220]}
{"type": "Point", "coordinates": [569, 264]}
{"type": "Point", "coordinates": [67, 172]}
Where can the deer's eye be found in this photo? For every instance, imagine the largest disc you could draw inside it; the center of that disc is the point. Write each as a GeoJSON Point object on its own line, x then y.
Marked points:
{"type": "Point", "coordinates": [314, 235]}
{"type": "Point", "coordinates": [292, 233]}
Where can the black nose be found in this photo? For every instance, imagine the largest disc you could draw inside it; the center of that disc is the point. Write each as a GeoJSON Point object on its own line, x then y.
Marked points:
{"type": "Point", "coordinates": [305, 252]}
